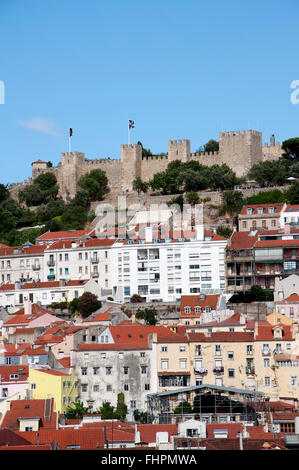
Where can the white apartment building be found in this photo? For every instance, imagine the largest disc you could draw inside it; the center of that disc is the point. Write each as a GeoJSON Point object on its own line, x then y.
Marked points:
{"type": "Point", "coordinates": [15, 296]}
{"type": "Point", "coordinates": [290, 215]}
{"type": "Point", "coordinates": [81, 259]}
{"type": "Point", "coordinates": [166, 268]}
{"type": "Point", "coordinates": [21, 263]}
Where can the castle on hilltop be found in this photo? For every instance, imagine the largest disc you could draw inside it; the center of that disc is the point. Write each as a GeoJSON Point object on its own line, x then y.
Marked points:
{"type": "Point", "coordinates": [239, 150]}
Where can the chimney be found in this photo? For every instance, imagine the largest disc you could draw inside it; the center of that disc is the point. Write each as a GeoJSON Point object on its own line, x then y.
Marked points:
{"type": "Point", "coordinates": [256, 329]}
{"type": "Point", "coordinates": [149, 234]}
{"type": "Point", "coordinates": [287, 228]}
{"type": "Point", "coordinates": [27, 307]}
{"type": "Point", "coordinates": [199, 232]}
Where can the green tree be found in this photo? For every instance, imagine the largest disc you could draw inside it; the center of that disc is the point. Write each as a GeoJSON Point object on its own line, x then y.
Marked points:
{"type": "Point", "coordinates": [192, 198]}
{"type": "Point", "coordinates": [77, 410]}
{"type": "Point", "coordinates": [74, 217]}
{"type": "Point", "coordinates": [95, 183]}
{"type": "Point", "coordinates": [291, 148]}
{"type": "Point", "coordinates": [268, 173]}
{"type": "Point", "coordinates": [121, 408]}
{"type": "Point", "coordinates": [224, 231]}
{"type": "Point", "coordinates": [292, 193]}
{"type": "Point", "coordinates": [140, 186]}
{"type": "Point", "coordinates": [183, 407]}
{"type": "Point", "coordinates": [107, 411]}
{"type": "Point", "coordinates": [87, 304]}
{"type": "Point", "coordinates": [149, 315]}
{"type": "Point", "coordinates": [142, 417]}
{"type": "Point", "coordinates": [211, 146]}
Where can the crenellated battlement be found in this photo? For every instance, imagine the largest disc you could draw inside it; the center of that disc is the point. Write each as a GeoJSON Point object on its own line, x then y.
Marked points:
{"type": "Point", "coordinates": [249, 132]}
{"type": "Point", "coordinates": [239, 150]}
{"type": "Point", "coordinates": [104, 161]}
{"type": "Point", "coordinates": [205, 154]}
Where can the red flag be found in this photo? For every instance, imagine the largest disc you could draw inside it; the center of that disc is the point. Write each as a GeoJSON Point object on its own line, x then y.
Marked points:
{"type": "Point", "coordinates": [71, 132]}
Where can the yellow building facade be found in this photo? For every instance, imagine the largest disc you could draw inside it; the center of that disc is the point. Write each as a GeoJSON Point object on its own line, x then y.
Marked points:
{"type": "Point", "coordinates": [50, 383]}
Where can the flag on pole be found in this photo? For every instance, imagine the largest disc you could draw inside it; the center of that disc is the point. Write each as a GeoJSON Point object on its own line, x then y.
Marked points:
{"type": "Point", "coordinates": [131, 124]}
{"type": "Point", "coordinates": [71, 132]}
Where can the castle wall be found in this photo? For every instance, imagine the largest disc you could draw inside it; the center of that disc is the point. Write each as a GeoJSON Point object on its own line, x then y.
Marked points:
{"type": "Point", "coordinates": [271, 152]}
{"type": "Point", "coordinates": [152, 165]}
{"type": "Point", "coordinates": [239, 150]}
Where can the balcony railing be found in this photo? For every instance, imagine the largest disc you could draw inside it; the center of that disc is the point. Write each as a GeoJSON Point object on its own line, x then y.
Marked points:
{"type": "Point", "coordinates": [51, 277]}
{"type": "Point", "coordinates": [266, 352]}
{"type": "Point", "coordinates": [95, 274]}
{"type": "Point", "coordinates": [218, 370]}
{"type": "Point", "coordinates": [200, 370]}
{"type": "Point", "coordinates": [250, 370]}
{"type": "Point", "coordinates": [94, 260]}
{"type": "Point", "coordinates": [51, 262]}
{"type": "Point", "coordinates": [36, 267]}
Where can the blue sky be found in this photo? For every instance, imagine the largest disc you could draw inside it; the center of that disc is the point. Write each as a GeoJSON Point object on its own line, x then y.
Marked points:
{"type": "Point", "coordinates": [179, 69]}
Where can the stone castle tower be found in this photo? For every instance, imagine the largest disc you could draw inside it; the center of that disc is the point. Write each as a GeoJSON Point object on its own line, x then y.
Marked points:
{"type": "Point", "coordinates": [238, 149]}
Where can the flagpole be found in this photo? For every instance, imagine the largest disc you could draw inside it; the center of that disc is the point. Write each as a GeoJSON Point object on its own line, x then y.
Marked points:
{"type": "Point", "coordinates": [128, 133]}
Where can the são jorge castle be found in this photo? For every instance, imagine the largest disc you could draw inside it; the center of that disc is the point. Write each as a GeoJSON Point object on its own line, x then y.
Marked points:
{"type": "Point", "coordinates": [238, 149]}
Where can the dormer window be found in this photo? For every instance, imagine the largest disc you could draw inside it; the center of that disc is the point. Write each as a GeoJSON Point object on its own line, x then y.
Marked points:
{"type": "Point", "coordinates": [208, 309]}
{"type": "Point", "coordinates": [277, 333]}
{"type": "Point", "coordinates": [260, 210]}
{"type": "Point", "coordinates": [197, 309]}
{"type": "Point", "coordinates": [271, 210]}
{"type": "Point", "coordinates": [187, 309]}
{"type": "Point", "coordinates": [249, 210]}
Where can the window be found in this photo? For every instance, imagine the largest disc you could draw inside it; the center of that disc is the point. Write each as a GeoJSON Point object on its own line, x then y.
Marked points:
{"type": "Point", "coordinates": [126, 370]}
{"type": "Point", "coordinates": [230, 355]}
{"type": "Point", "coordinates": [96, 388]}
{"type": "Point", "coordinates": [217, 349]}
{"type": "Point", "coordinates": [146, 386]}
{"type": "Point", "coordinates": [126, 387]}
{"type": "Point", "coordinates": [83, 370]}
{"type": "Point", "coordinates": [182, 348]}
{"type": "Point", "coordinates": [163, 348]}
{"type": "Point", "coordinates": [231, 373]}
{"type": "Point", "coordinates": [143, 369]}
{"type": "Point", "coordinates": [187, 309]}
{"type": "Point", "coordinates": [267, 381]}
{"type": "Point", "coordinates": [182, 363]}
{"type": "Point", "coordinates": [266, 362]}
{"type": "Point", "coordinates": [133, 404]}
{"type": "Point", "coordinates": [198, 350]}
{"type": "Point", "coordinates": [84, 387]}
{"type": "Point", "coordinates": [109, 388]}
{"type": "Point", "coordinates": [164, 364]}
{"type": "Point", "coordinates": [294, 381]}
{"type": "Point", "coordinates": [95, 371]}
{"type": "Point", "coordinates": [108, 370]}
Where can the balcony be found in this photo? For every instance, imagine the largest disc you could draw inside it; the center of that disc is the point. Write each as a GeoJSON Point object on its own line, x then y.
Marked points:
{"type": "Point", "coordinates": [250, 370]}
{"type": "Point", "coordinates": [36, 267]}
{"type": "Point", "coordinates": [94, 260]}
{"type": "Point", "coordinates": [51, 277]}
{"type": "Point", "coordinates": [218, 370]}
{"type": "Point", "coordinates": [200, 370]}
{"type": "Point", "coordinates": [51, 262]}
{"type": "Point", "coordinates": [95, 275]}
{"type": "Point", "coordinates": [266, 352]}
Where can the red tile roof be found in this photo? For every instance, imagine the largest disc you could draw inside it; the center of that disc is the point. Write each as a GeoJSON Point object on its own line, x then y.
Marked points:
{"type": "Point", "coordinates": [277, 206]}
{"type": "Point", "coordinates": [293, 298]}
{"type": "Point", "coordinates": [7, 371]}
{"type": "Point", "coordinates": [90, 243]}
{"type": "Point", "coordinates": [195, 301]}
{"type": "Point", "coordinates": [45, 285]}
{"type": "Point", "coordinates": [63, 235]}
{"type": "Point", "coordinates": [242, 240]}
{"type": "Point", "coordinates": [29, 409]}
{"type": "Point", "coordinates": [148, 431]}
